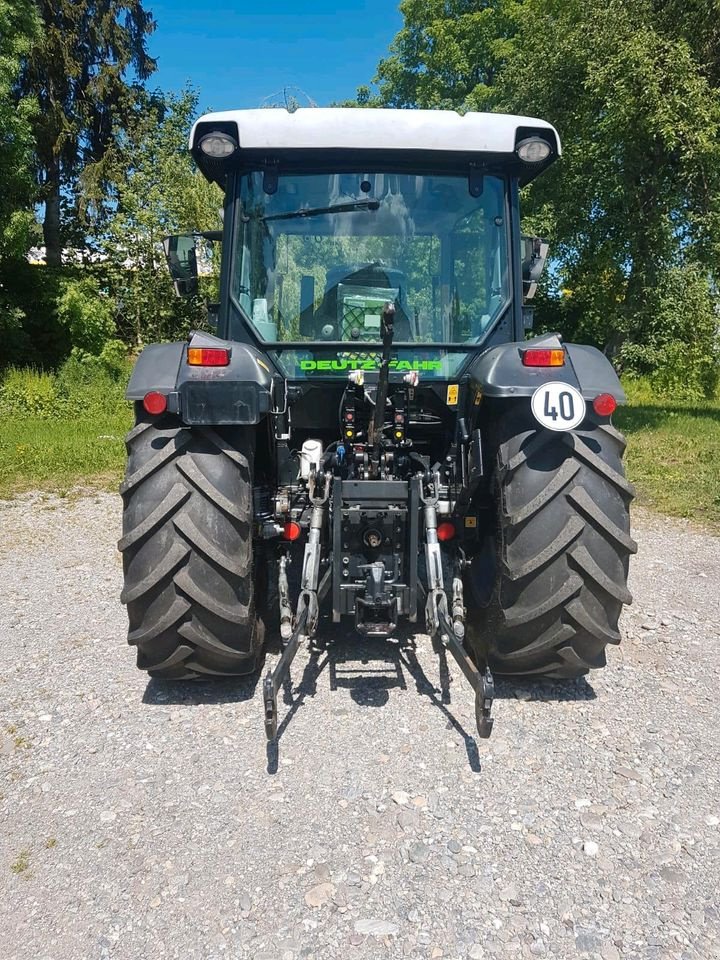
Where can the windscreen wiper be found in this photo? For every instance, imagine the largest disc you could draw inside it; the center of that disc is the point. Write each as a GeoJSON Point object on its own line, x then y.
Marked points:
{"type": "Point", "coordinates": [319, 211]}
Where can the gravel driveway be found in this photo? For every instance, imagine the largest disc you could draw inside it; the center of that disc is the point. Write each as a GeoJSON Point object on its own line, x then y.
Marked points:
{"type": "Point", "coordinates": [142, 820]}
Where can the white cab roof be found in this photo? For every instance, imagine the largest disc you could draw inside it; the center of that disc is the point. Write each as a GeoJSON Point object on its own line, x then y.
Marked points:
{"type": "Point", "coordinates": [327, 128]}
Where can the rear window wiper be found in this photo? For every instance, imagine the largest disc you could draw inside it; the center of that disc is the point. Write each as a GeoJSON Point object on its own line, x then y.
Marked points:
{"type": "Point", "coordinates": [319, 211]}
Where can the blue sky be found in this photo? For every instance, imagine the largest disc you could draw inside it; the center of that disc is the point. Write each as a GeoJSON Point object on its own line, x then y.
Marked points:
{"type": "Point", "coordinates": [236, 55]}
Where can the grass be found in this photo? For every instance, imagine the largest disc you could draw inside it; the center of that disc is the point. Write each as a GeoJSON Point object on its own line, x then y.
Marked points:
{"type": "Point", "coordinates": [21, 864]}
{"type": "Point", "coordinates": [37, 453]}
{"type": "Point", "coordinates": [673, 454]}
{"type": "Point", "coordinates": [61, 431]}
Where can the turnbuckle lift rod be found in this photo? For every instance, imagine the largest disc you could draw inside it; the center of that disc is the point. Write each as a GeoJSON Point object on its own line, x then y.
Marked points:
{"type": "Point", "coordinates": [286, 612]}
{"type": "Point", "coordinates": [452, 631]}
{"type": "Point", "coordinates": [308, 610]}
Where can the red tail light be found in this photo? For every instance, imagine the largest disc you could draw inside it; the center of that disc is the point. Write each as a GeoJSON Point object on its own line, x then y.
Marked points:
{"type": "Point", "coordinates": [155, 402]}
{"type": "Point", "coordinates": [543, 358]}
{"type": "Point", "coordinates": [208, 357]}
{"type": "Point", "coordinates": [291, 530]}
{"type": "Point", "coordinates": [445, 531]}
{"type": "Point", "coordinates": [604, 405]}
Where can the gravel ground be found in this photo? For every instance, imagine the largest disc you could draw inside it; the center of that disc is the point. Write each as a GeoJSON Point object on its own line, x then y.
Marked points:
{"type": "Point", "coordinates": [146, 821]}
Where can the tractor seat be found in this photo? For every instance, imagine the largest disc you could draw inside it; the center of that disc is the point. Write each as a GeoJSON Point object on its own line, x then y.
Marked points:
{"type": "Point", "coordinates": [354, 299]}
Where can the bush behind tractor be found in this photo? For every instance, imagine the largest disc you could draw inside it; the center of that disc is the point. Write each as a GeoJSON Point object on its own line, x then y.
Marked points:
{"type": "Point", "coordinates": [370, 436]}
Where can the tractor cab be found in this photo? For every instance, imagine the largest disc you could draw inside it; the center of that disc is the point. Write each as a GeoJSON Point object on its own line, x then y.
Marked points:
{"type": "Point", "coordinates": [330, 213]}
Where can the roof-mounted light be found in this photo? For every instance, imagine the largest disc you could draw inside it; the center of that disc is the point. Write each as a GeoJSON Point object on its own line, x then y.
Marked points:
{"type": "Point", "coordinates": [533, 150]}
{"type": "Point", "coordinates": [218, 145]}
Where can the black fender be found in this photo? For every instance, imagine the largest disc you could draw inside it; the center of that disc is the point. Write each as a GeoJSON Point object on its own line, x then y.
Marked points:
{"type": "Point", "coordinates": [238, 393]}
{"type": "Point", "coordinates": [155, 369]}
{"type": "Point", "coordinates": [500, 372]}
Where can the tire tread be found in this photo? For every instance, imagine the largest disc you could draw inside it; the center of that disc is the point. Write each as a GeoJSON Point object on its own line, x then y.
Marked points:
{"type": "Point", "coordinates": [563, 549]}
{"type": "Point", "coordinates": [187, 549]}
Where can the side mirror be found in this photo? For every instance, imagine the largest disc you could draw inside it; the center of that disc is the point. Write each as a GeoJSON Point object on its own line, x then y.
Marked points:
{"type": "Point", "coordinates": [181, 257]}
{"type": "Point", "coordinates": [213, 311]}
{"type": "Point", "coordinates": [534, 255]}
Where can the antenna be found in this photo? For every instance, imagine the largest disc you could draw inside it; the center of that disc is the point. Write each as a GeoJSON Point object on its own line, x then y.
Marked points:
{"type": "Point", "coordinates": [290, 98]}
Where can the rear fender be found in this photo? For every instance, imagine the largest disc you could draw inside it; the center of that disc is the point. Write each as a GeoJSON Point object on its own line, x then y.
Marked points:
{"type": "Point", "coordinates": [236, 394]}
{"type": "Point", "coordinates": [499, 372]}
{"type": "Point", "coordinates": [155, 369]}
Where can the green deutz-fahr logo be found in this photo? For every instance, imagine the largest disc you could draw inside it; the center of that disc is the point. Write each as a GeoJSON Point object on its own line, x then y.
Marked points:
{"type": "Point", "coordinates": [368, 363]}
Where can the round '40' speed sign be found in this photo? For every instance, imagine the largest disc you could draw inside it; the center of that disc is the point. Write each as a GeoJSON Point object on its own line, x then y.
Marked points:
{"type": "Point", "coordinates": [558, 406]}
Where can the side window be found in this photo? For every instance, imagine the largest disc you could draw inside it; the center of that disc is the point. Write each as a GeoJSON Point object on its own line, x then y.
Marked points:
{"type": "Point", "coordinates": [479, 281]}
{"type": "Point", "coordinates": [241, 274]}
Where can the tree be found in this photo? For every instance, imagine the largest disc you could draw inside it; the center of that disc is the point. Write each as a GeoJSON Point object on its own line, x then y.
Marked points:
{"type": "Point", "coordinates": [151, 188]}
{"type": "Point", "coordinates": [447, 55]}
{"type": "Point", "coordinates": [638, 189]}
{"type": "Point", "coordinates": [18, 27]}
{"type": "Point", "coordinates": [76, 72]}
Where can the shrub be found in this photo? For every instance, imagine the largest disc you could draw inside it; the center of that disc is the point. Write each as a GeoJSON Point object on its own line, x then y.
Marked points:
{"type": "Point", "coordinates": [87, 314]}
{"type": "Point", "coordinates": [80, 390]}
{"type": "Point", "coordinates": [114, 357]}
{"type": "Point", "coordinates": [89, 388]}
{"type": "Point", "coordinates": [679, 352]}
{"type": "Point", "coordinates": [27, 391]}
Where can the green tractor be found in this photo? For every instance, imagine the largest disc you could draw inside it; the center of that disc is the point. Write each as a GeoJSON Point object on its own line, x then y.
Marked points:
{"type": "Point", "coordinates": [370, 437]}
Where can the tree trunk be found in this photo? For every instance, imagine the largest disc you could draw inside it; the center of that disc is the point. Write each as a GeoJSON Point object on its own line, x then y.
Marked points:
{"type": "Point", "coordinates": [51, 223]}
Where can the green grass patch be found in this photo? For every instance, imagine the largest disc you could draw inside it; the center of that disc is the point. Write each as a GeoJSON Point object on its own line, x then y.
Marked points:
{"type": "Point", "coordinates": [673, 454]}
{"type": "Point", "coordinates": [21, 864]}
{"type": "Point", "coordinates": [60, 430]}
{"type": "Point", "coordinates": [57, 455]}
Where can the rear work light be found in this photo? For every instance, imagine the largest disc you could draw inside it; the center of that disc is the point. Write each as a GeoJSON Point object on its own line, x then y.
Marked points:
{"type": "Point", "coordinates": [218, 145]}
{"type": "Point", "coordinates": [604, 405]}
{"type": "Point", "coordinates": [543, 358]}
{"type": "Point", "coordinates": [208, 357]}
{"type": "Point", "coordinates": [155, 402]}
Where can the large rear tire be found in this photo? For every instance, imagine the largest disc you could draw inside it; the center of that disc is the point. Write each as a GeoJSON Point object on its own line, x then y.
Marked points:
{"type": "Point", "coordinates": [187, 549]}
{"type": "Point", "coordinates": [563, 549]}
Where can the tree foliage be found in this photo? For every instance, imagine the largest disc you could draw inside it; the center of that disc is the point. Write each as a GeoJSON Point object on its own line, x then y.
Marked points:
{"type": "Point", "coordinates": [637, 191]}
{"type": "Point", "coordinates": [18, 27]}
{"type": "Point", "coordinates": [150, 188]}
{"type": "Point", "coordinates": [448, 54]}
{"type": "Point", "coordinates": [84, 73]}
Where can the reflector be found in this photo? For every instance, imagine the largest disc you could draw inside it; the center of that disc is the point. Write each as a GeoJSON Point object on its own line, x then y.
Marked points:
{"type": "Point", "coordinates": [292, 530]}
{"type": "Point", "coordinates": [604, 405]}
{"type": "Point", "coordinates": [445, 530]}
{"type": "Point", "coordinates": [155, 402]}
